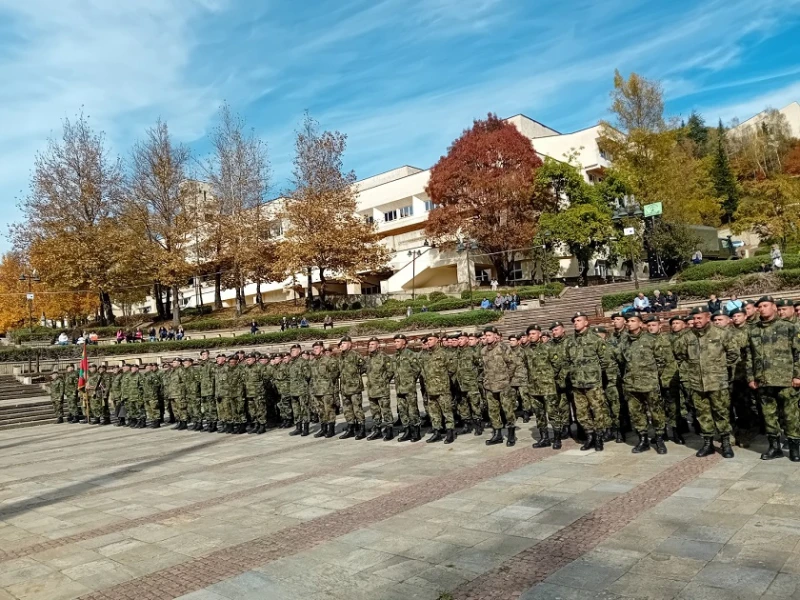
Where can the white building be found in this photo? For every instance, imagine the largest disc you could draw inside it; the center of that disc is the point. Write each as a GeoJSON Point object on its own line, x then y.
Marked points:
{"type": "Point", "coordinates": [791, 112]}
{"type": "Point", "coordinates": [397, 203]}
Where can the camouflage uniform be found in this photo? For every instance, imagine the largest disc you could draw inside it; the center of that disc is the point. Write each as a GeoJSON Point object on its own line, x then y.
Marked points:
{"type": "Point", "coordinates": [174, 391]}
{"type": "Point", "coordinates": [95, 390]}
{"type": "Point", "coordinates": [280, 378]}
{"type": "Point", "coordinates": [708, 352]}
{"type": "Point", "coordinates": [542, 365]}
{"type": "Point", "coordinates": [611, 381]}
{"type": "Point", "coordinates": [208, 403]}
{"type": "Point", "coordinates": [379, 369]}
{"type": "Point", "coordinates": [500, 366]}
{"type": "Point", "coordinates": [436, 369]}
{"type": "Point", "coordinates": [351, 367]}
{"type": "Point", "coordinates": [741, 396]}
{"type": "Point", "coordinates": [406, 372]}
{"type": "Point", "coordinates": [223, 405]}
{"type": "Point", "coordinates": [324, 371]}
{"type": "Point", "coordinates": [230, 389]}
{"type": "Point", "coordinates": [299, 375]}
{"type": "Point", "coordinates": [774, 360]}
{"type": "Point", "coordinates": [558, 349]}
{"type": "Point", "coordinates": [132, 393]}
{"type": "Point", "coordinates": [191, 394]}
{"type": "Point", "coordinates": [642, 366]}
{"type": "Point", "coordinates": [115, 391]}
{"type": "Point", "coordinates": [669, 380]}
{"type": "Point", "coordinates": [150, 382]}
{"type": "Point", "coordinates": [468, 365]}
{"type": "Point", "coordinates": [586, 359]}
{"type": "Point", "coordinates": [71, 393]}
{"type": "Point", "coordinates": [519, 382]}
{"type": "Point", "coordinates": [254, 389]}
{"type": "Point", "coordinates": [683, 375]}
{"type": "Point", "coordinates": [57, 396]}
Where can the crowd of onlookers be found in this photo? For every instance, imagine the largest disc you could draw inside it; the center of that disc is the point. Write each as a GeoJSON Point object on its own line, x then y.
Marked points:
{"type": "Point", "coordinates": [658, 302]}
{"type": "Point", "coordinates": [501, 302]}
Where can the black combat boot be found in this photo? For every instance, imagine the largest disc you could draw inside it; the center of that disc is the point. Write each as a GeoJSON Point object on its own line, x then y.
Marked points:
{"type": "Point", "coordinates": [69, 418]}
{"type": "Point", "coordinates": [182, 426]}
{"type": "Point", "coordinates": [467, 427]}
{"type": "Point", "coordinates": [198, 425]}
{"type": "Point", "coordinates": [156, 424]}
{"type": "Point", "coordinates": [556, 439]}
{"type": "Point", "coordinates": [94, 421]}
{"type": "Point", "coordinates": [608, 435]}
{"type": "Point", "coordinates": [620, 439]}
{"type": "Point", "coordinates": [177, 425]}
{"type": "Point", "coordinates": [774, 450]}
{"type": "Point", "coordinates": [106, 421]}
{"type": "Point", "coordinates": [361, 432]}
{"type": "Point", "coordinates": [436, 436]}
{"type": "Point", "coordinates": [314, 418]}
{"type": "Point", "coordinates": [305, 429]}
{"type": "Point", "coordinates": [451, 436]}
{"type": "Point", "coordinates": [544, 439]}
{"type": "Point", "coordinates": [388, 433]}
{"type": "Point", "coordinates": [298, 429]}
{"type": "Point", "coordinates": [407, 434]}
{"type": "Point", "coordinates": [794, 450]}
{"type": "Point", "coordinates": [221, 427]}
{"type": "Point", "coordinates": [643, 445]}
{"type": "Point", "coordinates": [591, 441]}
{"type": "Point", "coordinates": [60, 420]}
{"type": "Point", "coordinates": [142, 423]}
{"type": "Point", "coordinates": [526, 416]}
{"type": "Point", "coordinates": [598, 443]}
{"type": "Point", "coordinates": [708, 447]}
{"type": "Point", "coordinates": [374, 434]}
{"type": "Point", "coordinates": [512, 436]}
{"type": "Point", "coordinates": [331, 430]}
{"type": "Point", "coordinates": [262, 428]}
{"type": "Point", "coordinates": [497, 437]}
{"type": "Point", "coordinates": [661, 448]}
{"type": "Point", "coordinates": [398, 422]}
{"type": "Point", "coordinates": [565, 431]}
{"type": "Point", "coordinates": [323, 429]}
{"type": "Point", "coordinates": [726, 450]}
{"type": "Point", "coordinates": [416, 434]}
{"type": "Point", "coordinates": [478, 427]}
{"type": "Point", "coordinates": [677, 438]}
{"type": "Point", "coordinates": [132, 423]}
{"type": "Point", "coordinates": [349, 432]}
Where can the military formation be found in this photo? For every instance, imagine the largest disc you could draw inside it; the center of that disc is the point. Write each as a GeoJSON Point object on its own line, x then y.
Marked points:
{"type": "Point", "coordinates": [731, 377]}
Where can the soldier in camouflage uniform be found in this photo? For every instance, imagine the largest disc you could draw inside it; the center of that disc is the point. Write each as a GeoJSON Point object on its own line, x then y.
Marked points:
{"type": "Point", "coordinates": [586, 359]}
{"type": "Point", "coordinates": [709, 352]}
{"type": "Point", "coordinates": [669, 380]}
{"type": "Point", "coordinates": [474, 341]}
{"type": "Point", "coordinates": [299, 376]}
{"type": "Point", "coordinates": [558, 341]}
{"type": "Point", "coordinates": [500, 367]}
{"type": "Point", "coordinates": [114, 381]}
{"type": "Point", "coordinates": [173, 392]}
{"type": "Point", "coordinates": [57, 395]}
{"type": "Point", "coordinates": [208, 405]}
{"type": "Point", "coordinates": [150, 384]}
{"type": "Point", "coordinates": [542, 365]}
{"type": "Point", "coordinates": [786, 310]}
{"type": "Point", "coordinates": [678, 329]}
{"type": "Point", "coordinates": [166, 410]}
{"type": "Point", "coordinates": [436, 369]}
{"type": "Point", "coordinates": [280, 378]}
{"type": "Point", "coordinates": [95, 391]}
{"type": "Point", "coordinates": [642, 364]}
{"type": "Point", "coordinates": [229, 385]}
{"type": "Point", "coordinates": [379, 369]}
{"type": "Point", "coordinates": [610, 388]}
{"type": "Point", "coordinates": [519, 382]}
{"type": "Point", "coordinates": [618, 410]}
{"type": "Point", "coordinates": [324, 370]}
{"type": "Point", "coordinates": [132, 392]}
{"type": "Point", "coordinates": [71, 395]}
{"type": "Point", "coordinates": [741, 396]}
{"type": "Point", "coordinates": [270, 395]}
{"type": "Point", "coordinates": [406, 373]}
{"type": "Point", "coordinates": [191, 395]}
{"type": "Point", "coordinates": [351, 367]}
{"type": "Point", "coordinates": [773, 369]}
{"type": "Point", "coordinates": [255, 401]}
{"type": "Point", "coordinates": [468, 366]}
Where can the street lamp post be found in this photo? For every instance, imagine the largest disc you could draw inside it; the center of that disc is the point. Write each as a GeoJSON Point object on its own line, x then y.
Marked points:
{"type": "Point", "coordinates": [31, 279]}
{"type": "Point", "coordinates": [414, 254]}
{"type": "Point", "coordinates": [467, 247]}
{"type": "Point", "coordinates": [632, 211]}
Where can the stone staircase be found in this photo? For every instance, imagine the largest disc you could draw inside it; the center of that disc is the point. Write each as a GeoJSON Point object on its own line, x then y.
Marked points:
{"type": "Point", "coordinates": [23, 405]}
{"type": "Point", "coordinates": [572, 300]}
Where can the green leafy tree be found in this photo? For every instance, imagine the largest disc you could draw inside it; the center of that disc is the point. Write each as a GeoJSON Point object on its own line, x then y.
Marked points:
{"type": "Point", "coordinates": [770, 207]}
{"type": "Point", "coordinates": [697, 132]}
{"type": "Point", "coordinates": [722, 175]}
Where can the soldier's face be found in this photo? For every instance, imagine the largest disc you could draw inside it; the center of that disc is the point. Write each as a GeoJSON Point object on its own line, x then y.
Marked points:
{"type": "Point", "coordinates": [678, 326]}
{"type": "Point", "coordinates": [231, 364]}
{"type": "Point", "coordinates": [797, 310]}
{"type": "Point", "coordinates": [634, 325]}
{"type": "Point", "coordinates": [534, 336]}
{"type": "Point", "coordinates": [373, 346]}
{"type": "Point", "coordinates": [557, 331]}
{"type": "Point", "coordinates": [431, 342]}
{"type": "Point", "coordinates": [204, 355]}
{"type": "Point", "coordinates": [581, 323]}
{"type": "Point", "coordinates": [462, 341]}
{"type": "Point", "coordinates": [767, 310]}
{"type": "Point", "coordinates": [701, 320]}
{"type": "Point", "coordinates": [523, 340]}
{"type": "Point", "coordinates": [317, 350]}
{"type": "Point", "coordinates": [721, 321]}
{"type": "Point", "coordinates": [345, 346]}
{"type": "Point", "coordinates": [750, 309]}
{"type": "Point", "coordinates": [473, 341]}
{"type": "Point", "coordinates": [221, 360]}
{"type": "Point", "coordinates": [294, 352]}
{"type": "Point", "coordinates": [619, 323]}
{"type": "Point", "coordinates": [654, 327]}
{"type": "Point", "coordinates": [399, 344]}
{"type": "Point", "coordinates": [739, 318]}
{"type": "Point", "coordinates": [786, 312]}
{"type": "Point", "coordinates": [513, 342]}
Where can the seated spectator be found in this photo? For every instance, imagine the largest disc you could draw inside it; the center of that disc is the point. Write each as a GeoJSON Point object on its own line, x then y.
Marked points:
{"type": "Point", "coordinates": [129, 337]}
{"type": "Point", "coordinates": [485, 304]}
{"type": "Point", "coordinates": [777, 258]}
{"type": "Point", "coordinates": [765, 268]}
{"type": "Point", "coordinates": [81, 341]}
{"type": "Point", "coordinates": [409, 310]}
{"type": "Point", "coordinates": [658, 303]}
{"type": "Point", "coordinates": [93, 338]}
{"type": "Point", "coordinates": [152, 334]}
{"type": "Point", "coordinates": [732, 304]}
{"type": "Point", "coordinates": [303, 322]}
{"type": "Point", "coordinates": [498, 302]}
{"type": "Point", "coordinates": [714, 304]}
{"type": "Point", "coordinates": [424, 308]}
{"type": "Point", "coordinates": [162, 333]}
{"type": "Point", "coordinates": [671, 300]}
{"type": "Point", "coordinates": [180, 333]}
{"type": "Point", "coordinates": [641, 303]}
{"type": "Point", "coordinates": [284, 324]}
{"type": "Point", "coordinates": [63, 339]}
{"type": "Point", "coordinates": [697, 257]}
{"type": "Point", "coordinates": [138, 336]}
{"type": "Point", "coordinates": [120, 336]}
{"type": "Point", "coordinates": [253, 328]}
{"type": "Point", "coordinates": [170, 333]}
{"type": "Point", "coordinates": [328, 322]}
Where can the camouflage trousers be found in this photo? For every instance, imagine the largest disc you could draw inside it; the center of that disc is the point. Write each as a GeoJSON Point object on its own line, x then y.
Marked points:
{"type": "Point", "coordinates": [72, 404]}
{"type": "Point", "coordinates": [591, 409]}
{"type": "Point", "coordinates": [781, 412]}
{"type": "Point", "coordinates": [180, 408]}
{"type": "Point", "coordinates": [502, 404]}
{"type": "Point", "coordinates": [151, 409]}
{"type": "Point", "coordinates": [641, 403]}
{"type": "Point", "coordinates": [440, 410]}
{"type": "Point", "coordinates": [381, 410]}
{"type": "Point", "coordinates": [300, 409]}
{"type": "Point", "coordinates": [353, 407]}
{"type": "Point", "coordinates": [257, 408]}
{"type": "Point", "coordinates": [612, 400]}
{"type": "Point", "coordinates": [713, 411]}
{"type": "Point", "coordinates": [58, 406]}
{"type": "Point", "coordinates": [236, 410]}
{"type": "Point", "coordinates": [742, 405]}
{"type": "Point", "coordinates": [134, 407]}
{"type": "Point", "coordinates": [469, 406]}
{"type": "Point", "coordinates": [193, 409]}
{"type": "Point", "coordinates": [671, 395]}
{"type": "Point", "coordinates": [326, 408]}
{"type": "Point", "coordinates": [97, 406]}
{"type": "Point", "coordinates": [408, 409]}
{"type": "Point", "coordinates": [545, 410]}
{"type": "Point", "coordinates": [563, 405]}
{"type": "Point", "coordinates": [209, 406]}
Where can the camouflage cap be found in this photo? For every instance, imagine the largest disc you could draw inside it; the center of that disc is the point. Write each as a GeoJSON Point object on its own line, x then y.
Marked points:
{"type": "Point", "coordinates": [555, 324]}
{"type": "Point", "coordinates": [533, 328]}
{"type": "Point", "coordinates": [699, 310]}
{"type": "Point", "coordinates": [400, 336]}
{"type": "Point", "coordinates": [579, 314]}
{"type": "Point", "coordinates": [764, 299]}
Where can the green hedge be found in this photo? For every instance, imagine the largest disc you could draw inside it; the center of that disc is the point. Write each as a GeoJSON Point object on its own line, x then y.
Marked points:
{"type": "Point", "coordinates": [526, 292]}
{"type": "Point", "coordinates": [766, 250]}
{"type": "Point", "coordinates": [419, 321]}
{"type": "Point", "coordinates": [37, 334]}
{"type": "Point", "coordinates": [731, 268]}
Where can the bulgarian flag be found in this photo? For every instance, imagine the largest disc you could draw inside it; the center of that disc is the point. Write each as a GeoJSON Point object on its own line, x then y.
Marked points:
{"type": "Point", "coordinates": [83, 369]}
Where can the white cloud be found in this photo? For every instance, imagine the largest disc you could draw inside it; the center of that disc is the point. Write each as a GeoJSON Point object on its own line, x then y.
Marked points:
{"type": "Point", "coordinates": [743, 110]}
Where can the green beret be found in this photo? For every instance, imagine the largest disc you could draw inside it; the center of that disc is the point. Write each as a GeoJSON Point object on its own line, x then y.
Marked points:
{"type": "Point", "coordinates": [651, 319]}
{"type": "Point", "coordinates": [346, 338]}
{"type": "Point", "coordinates": [555, 324]}
{"type": "Point", "coordinates": [676, 318]}
{"type": "Point", "coordinates": [736, 311]}
{"type": "Point", "coordinates": [318, 343]}
{"type": "Point", "coordinates": [615, 315]}
{"type": "Point", "coordinates": [533, 328]}
{"type": "Point", "coordinates": [633, 315]}
{"type": "Point", "coordinates": [579, 314]}
{"type": "Point", "coordinates": [699, 310]}
{"type": "Point", "coordinates": [765, 299]}
{"type": "Point", "coordinates": [399, 336]}
{"type": "Point", "coordinates": [490, 329]}
{"type": "Point", "coordinates": [600, 329]}
{"type": "Point", "coordinates": [513, 336]}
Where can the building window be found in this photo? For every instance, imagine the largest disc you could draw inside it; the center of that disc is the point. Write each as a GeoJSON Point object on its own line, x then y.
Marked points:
{"type": "Point", "coordinates": [429, 205]}
{"type": "Point", "coordinates": [275, 230]}
{"type": "Point", "coordinates": [370, 290]}
{"type": "Point", "coordinates": [369, 220]}
{"type": "Point", "coordinates": [390, 216]}
{"type": "Point", "coordinates": [482, 274]}
{"type": "Point", "coordinates": [145, 310]}
{"type": "Point", "coordinates": [406, 211]}
{"type": "Point", "coordinates": [603, 154]}
{"type": "Point", "coordinates": [515, 273]}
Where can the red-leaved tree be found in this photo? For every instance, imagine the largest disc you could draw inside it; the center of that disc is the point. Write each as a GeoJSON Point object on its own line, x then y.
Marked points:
{"type": "Point", "coordinates": [484, 191]}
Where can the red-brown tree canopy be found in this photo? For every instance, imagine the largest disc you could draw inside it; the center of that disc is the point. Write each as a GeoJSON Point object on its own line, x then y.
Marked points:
{"type": "Point", "coordinates": [484, 190]}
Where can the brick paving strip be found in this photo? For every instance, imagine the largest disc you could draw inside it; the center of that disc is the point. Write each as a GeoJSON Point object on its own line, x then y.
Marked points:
{"type": "Point", "coordinates": [530, 567]}
{"type": "Point", "coordinates": [124, 524]}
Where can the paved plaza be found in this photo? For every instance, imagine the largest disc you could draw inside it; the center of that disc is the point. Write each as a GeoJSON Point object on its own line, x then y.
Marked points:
{"type": "Point", "coordinates": [106, 513]}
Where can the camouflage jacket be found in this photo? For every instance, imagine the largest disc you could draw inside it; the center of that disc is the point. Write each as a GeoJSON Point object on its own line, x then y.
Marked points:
{"type": "Point", "coordinates": [670, 370]}
{"type": "Point", "coordinates": [708, 353]}
{"type": "Point", "coordinates": [520, 377]}
{"type": "Point", "coordinates": [774, 353]}
{"type": "Point", "coordinates": [683, 374]}
{"type": "Point", "coordinates": [207, 378]}
{"type": "Point", "coordinates": [191, 382]}
{"type": "Point", "coordinates": [542, 367]}
{"type": "Point", "coordinates": [230, 383]}
{"type": "Point", "coordinates": [71, 384]}
{"type": "Point", "coordinates": [741, 336]}
{"type": "Point", "coordinates": [559, 350]}
{"type": "Point", "coordinates": [380, 370]}
{"type": "Point", "coordinates": [436, 369]}
{"type": "Point", "coordinates": [95, 384]}
{"type": "Point", "coordinates": [115, 387]}
{"type": "Point", "coordinates": [468, 367]}
{"type": "Point", "coordinates": [132, 386]}
{"type": "Point", "coordinates": [299, 376]}
{"type": "Point", "coordinates": [642, 363]}
{"type": "Point", "coordinates": [406, 371]}
{"type": "Point", "coordinates": [253, 380]}
{"type": "Point", "coordinates": [324, 373]}
{"type": "Point", "coordinates": [151, 386]}
{"type": "Point", "coordinates": [280, 377]}
{"type": "Point", "coordinates": [500, 366]}
{"type": "Point", "coordinates": [57, 388]}
{"type": "Point", "coordinates": [586, 360]}
{"type": "Point", "coordinates": [351, 367]}
{"type": "Point", "coordinates": [173, 383]}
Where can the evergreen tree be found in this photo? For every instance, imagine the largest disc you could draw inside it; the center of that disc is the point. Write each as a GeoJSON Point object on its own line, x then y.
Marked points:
{"type": "Point", "coordinates": [698, 133]}
{"type": "Point", "coordinates": [722, 175]}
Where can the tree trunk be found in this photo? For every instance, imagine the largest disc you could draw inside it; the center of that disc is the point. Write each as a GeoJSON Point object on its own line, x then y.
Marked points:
{"type": "Point", "coordinates": [310, 292]}
{"type": "Point", "coordinates": [259, 299]}
{"type": "Point", "coordinates": [217, 290]}
{"type": "Point", "coordinates": [322, 287]}
{"type": "Point", "coordinates": [239, 297]}
{"type": "Point", "coordinates": [499, 263]}
{"type": "Point", "coordinates": [101, 314]}
{"type": "Point", "coordinates": [105, 299]}
{"type": "Point", "coordinates": [159, 298]}
{"type": "Point", "coordinates": [167, 301]}
{"type": "Point", "coordinates": [176, 309]}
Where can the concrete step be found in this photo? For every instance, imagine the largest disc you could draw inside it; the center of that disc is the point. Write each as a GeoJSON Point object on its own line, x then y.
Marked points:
{"type": "Point", "coordinates": [43, 411]}
{"type": "Point", "coordinates": [4, 426]}
{"type": "Point", "coordinates": [27, 419]}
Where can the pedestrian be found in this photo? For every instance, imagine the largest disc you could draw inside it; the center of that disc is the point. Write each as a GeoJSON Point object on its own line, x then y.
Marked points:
{"type": "Point", "coordinates": [253, 327]}
{"type": "Point", "coordinates": [777, 258]}
{"type": "Point", "coordinates": [494, 284]}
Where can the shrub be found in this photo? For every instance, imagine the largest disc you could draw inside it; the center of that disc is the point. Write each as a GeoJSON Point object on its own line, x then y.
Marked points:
{"type": "Point", "coordinates": [356, 305]}
{"type": "Point", "coordinates": [436, 296]}
{"type": "Point", "coordinates": [731, 268]}
{"type": "Point", "coordinates": [197, 311]}
{"type": "Point", "coordinates": [37, 334]}
{"type": "Point", "coordinates": [465, 295]}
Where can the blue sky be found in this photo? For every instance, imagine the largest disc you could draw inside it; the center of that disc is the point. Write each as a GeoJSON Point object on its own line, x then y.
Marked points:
{"type": "Point", "coordinates": [401, 77]}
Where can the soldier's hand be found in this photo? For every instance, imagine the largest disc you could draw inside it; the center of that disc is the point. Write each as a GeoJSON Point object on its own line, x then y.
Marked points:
{"type": "Point", "coordinates": [796, 382]}
{"type": "Point", "coordinates": [753, 385]}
